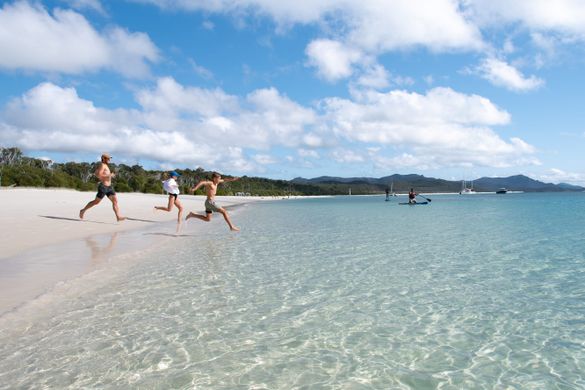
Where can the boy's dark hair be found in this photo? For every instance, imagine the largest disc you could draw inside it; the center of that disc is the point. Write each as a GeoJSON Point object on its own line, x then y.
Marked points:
{"type": "Point", "coordinates": [214, 175]}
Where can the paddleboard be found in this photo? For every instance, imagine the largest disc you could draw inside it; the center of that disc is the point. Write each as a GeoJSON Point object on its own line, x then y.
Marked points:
{"type": "Point", "coordinates": [413, 204]}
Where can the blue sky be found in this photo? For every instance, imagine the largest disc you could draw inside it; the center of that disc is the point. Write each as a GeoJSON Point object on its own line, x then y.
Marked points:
{"type": "Point", "coordinates": [456, 89]}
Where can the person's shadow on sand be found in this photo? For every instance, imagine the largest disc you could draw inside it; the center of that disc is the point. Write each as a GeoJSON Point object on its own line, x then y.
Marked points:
{"type": "Point", "coordinates": [87, 220]}
{"type": "Point", "coordinates": [74, 219]}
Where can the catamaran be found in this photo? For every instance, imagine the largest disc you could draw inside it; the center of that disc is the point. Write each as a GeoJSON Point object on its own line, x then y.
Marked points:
{"type": "Point", "coordinates": [466, 190]}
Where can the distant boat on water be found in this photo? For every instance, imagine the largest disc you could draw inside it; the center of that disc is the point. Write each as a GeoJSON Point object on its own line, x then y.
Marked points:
{"type": "Point", "coordinates": [390, 192]}
{"type": "Point", "coordinates": [466, 190]}
{"type": "Point", "coordinates": [501, 191]}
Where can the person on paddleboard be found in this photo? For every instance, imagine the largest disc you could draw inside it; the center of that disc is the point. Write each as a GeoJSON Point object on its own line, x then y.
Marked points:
{"type": "Point", "coordinates": [411, 196]}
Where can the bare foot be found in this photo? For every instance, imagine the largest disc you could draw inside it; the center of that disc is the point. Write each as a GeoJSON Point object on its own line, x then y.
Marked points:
{"type": "Point", "coordinates": [121, 218]}
{"type": "Point", "coordinates": [81, 212]}
{"type": "Point", "coordinates": [235, 229]}
{"type": "Point", "coordinates": [190, 215]}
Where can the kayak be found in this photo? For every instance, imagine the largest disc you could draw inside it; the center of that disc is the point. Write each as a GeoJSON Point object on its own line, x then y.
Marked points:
{"type": "Point", "coordinates": [413, 204]}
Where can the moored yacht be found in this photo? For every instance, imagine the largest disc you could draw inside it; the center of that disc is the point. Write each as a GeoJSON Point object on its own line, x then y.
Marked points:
{"type": "Point", "coordinates": [466, 190]}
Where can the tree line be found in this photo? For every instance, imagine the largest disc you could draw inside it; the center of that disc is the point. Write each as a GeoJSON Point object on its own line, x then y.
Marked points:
{"type": "Point", "coordinates": [16, 169]}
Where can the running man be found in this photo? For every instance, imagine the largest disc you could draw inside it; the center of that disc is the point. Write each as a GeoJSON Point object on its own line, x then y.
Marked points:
{"type": "Point", "coordinates": [105, 188]}
{"type": "Point", "coordinates": [210, 205]}
{"type": "Point", "coordinates": [172, 188]}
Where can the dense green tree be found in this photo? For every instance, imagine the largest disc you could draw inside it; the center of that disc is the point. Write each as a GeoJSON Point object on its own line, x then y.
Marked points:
{"type": "Point", "coordinates": [16, 169]}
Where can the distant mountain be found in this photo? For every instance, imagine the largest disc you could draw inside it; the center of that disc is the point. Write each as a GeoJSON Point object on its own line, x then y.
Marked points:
{"type": "Point", "coordinates": [570, 187]}
{"type": "Point", "coordinates": [331, 179]}
{"type": "Point", "coordinates": [370, 185]}
{"type": "Point", "coordinates": [522, 183]}
{"type": "Point", "coordinates": [402, 183]}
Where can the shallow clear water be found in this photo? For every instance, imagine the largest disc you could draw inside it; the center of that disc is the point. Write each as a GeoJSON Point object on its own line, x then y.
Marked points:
{"type": "Point", "coordinates": [480, 291]}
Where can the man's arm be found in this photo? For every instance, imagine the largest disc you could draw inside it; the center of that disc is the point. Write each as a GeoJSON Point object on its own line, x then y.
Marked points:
{"type": "Point", "coordinates": [230, 179]}
{"type": "Point", "coordinates": [199, 185]}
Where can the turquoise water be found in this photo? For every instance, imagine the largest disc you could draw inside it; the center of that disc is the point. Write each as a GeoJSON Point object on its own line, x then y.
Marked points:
{"type": "Point", "coordinates": [468, 292]}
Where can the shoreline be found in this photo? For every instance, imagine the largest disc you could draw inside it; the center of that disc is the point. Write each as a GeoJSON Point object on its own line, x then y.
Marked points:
{"type": "Point", "coordinates": [45, 246]}
{"type": "Point", "coordinates": [35, 217]}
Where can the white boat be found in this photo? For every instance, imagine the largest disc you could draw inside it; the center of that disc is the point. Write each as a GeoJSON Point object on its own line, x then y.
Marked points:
{"type": "Point", "coordinates": [466, 190]}
{"type": "Point", "coordinates": [390, 192]}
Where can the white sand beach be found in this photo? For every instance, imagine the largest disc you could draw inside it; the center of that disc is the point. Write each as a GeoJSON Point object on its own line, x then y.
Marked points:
{"type": "Point", "coordinates": [43, 241]}
{"type": "Point", "coordinates": [32, 218]}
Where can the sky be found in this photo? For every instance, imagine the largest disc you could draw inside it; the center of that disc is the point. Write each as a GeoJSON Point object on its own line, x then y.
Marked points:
{"type": "Point", "coordinates": [454, 89]}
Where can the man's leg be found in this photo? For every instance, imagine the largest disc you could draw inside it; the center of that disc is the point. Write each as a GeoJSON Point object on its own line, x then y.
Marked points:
{"type": "Point", "coordinates": [114, 200]}
{"type": "Point", "coordinates": [205, 218]}
{"type": "Point", "coordinates": [88, 206]}
{"type": "Point", "coordinates": [227, 219]}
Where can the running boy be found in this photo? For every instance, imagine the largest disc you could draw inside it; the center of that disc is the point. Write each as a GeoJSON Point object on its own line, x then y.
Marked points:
{"type": "Point", "coordinates": [210, 205]}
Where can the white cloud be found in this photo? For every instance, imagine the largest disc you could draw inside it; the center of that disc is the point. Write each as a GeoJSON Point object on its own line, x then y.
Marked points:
{"type": "Point", "coordinates": [275, 119]}
{"type": "Point", "coordinates": [355, 31]}
{"type": "Point", "coordinates": [566, 17]}
{"type": "Point", "coordinates": [404, 160]}
{"type": "Point", "coordinates": [264, 159]}
{"type": "Point", "coordinates": [208, 127]}
{"type": "Point", "coordinates": [374, 77]}
{"type": "Point", "coordinates": [94, 5]}
{"type": "Point", "coordinates": [508, 46]}
{"type": "Point", "coordinates": [370, 24]}
{"type": "Point", "coordinates": [347, 156]}
{"type": "Point", "coordinates": [550, 25]}
{"type": "Point", "coordinates": [201, 70]}
{"type": "Point", "coordinates": [174, 124]}
{"type": "Point", "coordinates": [308, 153]}
{"type": "Point", "coordinates": [448, 127]}
{"type": "Point", "coordinates": [502, 74]}
{"type": "Point", "coordinates": [172, 98]}
{"type": "Point", "coordinates": [283, 12]}
{"type": "Point", "coordinates": [556, 175]}
{"type": "Point", "coordinates": [208, 25]}
{"type": "Point", "coordinates": [332, 59]}
{"type": "Point", "coordinates": [313, 140]}
{"type": "Point", "coordinates": [65, 42]}
{"type": "Point", "coordinates": [389, 25]}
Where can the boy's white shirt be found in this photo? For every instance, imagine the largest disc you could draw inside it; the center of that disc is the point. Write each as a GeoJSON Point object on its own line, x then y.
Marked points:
{"type": "Point", "coordinates": [171, 186]}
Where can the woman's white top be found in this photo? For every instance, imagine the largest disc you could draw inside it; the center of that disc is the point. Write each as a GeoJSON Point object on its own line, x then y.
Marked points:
{"type": "Point", "coordinates": [171, 186]}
